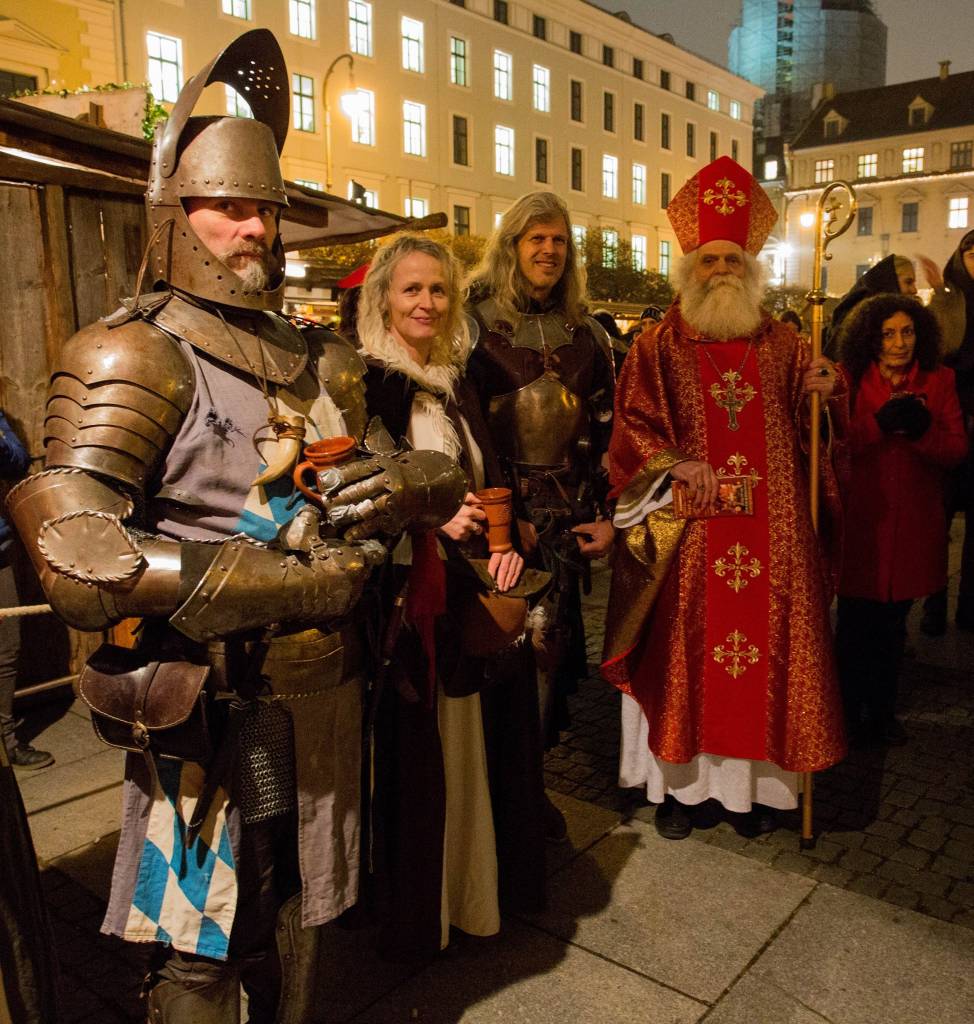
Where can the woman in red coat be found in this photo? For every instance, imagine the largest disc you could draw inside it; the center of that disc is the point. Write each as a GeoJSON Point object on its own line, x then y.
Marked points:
{"type": "Point", "coordinates": [906, 432]}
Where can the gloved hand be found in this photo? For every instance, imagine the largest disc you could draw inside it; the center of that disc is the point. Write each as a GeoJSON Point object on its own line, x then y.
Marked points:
{"type": "Point", "coordinates": [904, 415]}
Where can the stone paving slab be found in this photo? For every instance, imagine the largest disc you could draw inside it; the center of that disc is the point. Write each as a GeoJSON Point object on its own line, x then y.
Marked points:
{"type": "Point", "coordinates": [852, 959]}
{"type": "Point", "coordinates": [684, 914]}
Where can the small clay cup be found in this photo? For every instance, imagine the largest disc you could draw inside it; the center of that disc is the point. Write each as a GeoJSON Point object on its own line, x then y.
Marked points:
{"type": "Point", "coordinates": [320, 456]}
{"type": "Point", "coordinates": [497, 504]}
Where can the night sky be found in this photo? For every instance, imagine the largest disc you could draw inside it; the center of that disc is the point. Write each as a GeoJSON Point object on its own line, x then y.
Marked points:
{"type": "Point", "coordinates": [921, 32]}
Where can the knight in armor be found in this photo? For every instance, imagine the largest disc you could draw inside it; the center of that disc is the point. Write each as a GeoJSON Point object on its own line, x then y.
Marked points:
{"type": "Point", "coordinates": [172, 430]}
{"type": "Point", "coordinates": [543, 369]}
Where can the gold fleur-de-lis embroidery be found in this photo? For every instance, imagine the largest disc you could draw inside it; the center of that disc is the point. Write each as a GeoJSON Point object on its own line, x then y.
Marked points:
{"type": "Point", "coordinates": [737, 462]}
{"type": "Point", "coordinates": [736, 655]}
{"type": "Point", "coordinates": [739, 569]}
{"type": "Point", "coordinates": [725, 197]}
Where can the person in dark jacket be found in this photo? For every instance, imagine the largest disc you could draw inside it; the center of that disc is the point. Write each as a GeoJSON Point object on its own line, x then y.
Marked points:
{"type": "Point", "coordinates": [905, 434]}
{"type": "Point", "coordinates": [14, 461]}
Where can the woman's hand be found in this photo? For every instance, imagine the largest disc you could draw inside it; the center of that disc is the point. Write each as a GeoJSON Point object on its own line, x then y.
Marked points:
{"type": "Point", "coordinates": [701, 482]}
{"type": "Point", "coordinates": [820, 376]}
{"type": "Point", "coordinates": [595, 539]}
{"type": "Point", "coordinates": [467, 522]}
{"type": "Point", "coordinates": [931, 272]}
{"type": "Point", "coordinates": [505, 569]}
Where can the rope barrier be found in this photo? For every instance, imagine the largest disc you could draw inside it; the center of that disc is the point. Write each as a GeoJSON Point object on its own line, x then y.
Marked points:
{"type": "Point", "coordinates": [24, 609]}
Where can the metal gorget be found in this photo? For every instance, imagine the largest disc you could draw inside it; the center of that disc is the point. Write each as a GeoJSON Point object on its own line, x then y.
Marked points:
{"type": "Point", "coordinates": [537, 425]}
{"type": "Point", "coordinates": [536, 331]}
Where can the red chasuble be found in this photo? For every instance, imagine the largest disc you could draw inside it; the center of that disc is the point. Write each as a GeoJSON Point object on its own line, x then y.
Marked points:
{"type": "Point", "coordinates": [732, 653]}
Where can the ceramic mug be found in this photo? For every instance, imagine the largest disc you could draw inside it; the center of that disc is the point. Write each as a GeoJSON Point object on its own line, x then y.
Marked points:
{"type": "Point", "coordinates": [496, 502]}
{"type": "Point", "coordinates": [319, 457]}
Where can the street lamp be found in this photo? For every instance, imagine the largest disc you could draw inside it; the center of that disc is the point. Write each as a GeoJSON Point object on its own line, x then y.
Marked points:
{"type": "Point", "coordinates": [350, 103]}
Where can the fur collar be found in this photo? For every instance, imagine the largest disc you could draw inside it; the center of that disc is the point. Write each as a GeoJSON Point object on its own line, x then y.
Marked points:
{"type": "Point", "coordinates": [438, 376]}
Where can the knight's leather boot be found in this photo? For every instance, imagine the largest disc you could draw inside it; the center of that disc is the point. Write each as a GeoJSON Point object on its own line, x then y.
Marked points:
{"type": "Point", "coordinates": [194, 991]}
{"type": "Point", "coordinates": [298, 948]}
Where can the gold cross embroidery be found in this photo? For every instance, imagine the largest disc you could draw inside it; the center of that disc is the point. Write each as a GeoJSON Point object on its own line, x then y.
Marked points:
{"type": "Point", "coordinates": [724, 198]}
{"type": "Point", "coordinates": [737, 568]}
{"type": "Point", "coordinates": [730, 398]}
{"type": "Point", "coordinates": [736, 654]}
{"type": "Point", "coordinates": [737, 462]}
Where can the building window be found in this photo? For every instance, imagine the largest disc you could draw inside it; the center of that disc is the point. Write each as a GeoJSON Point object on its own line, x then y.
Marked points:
{"type": "Point", "coordinates": [961, 155]}
{"type": "Point", "coordinates": [957, 212]}
{"type": "Point", "coordinates": [771, 169]}
{"type": "Point", "coordinates": [503, 62]}
{"type": "Point", "coordinates": [460, 137]}
{"type": "Point", "coordinates": [867, 166]}
{"type": "Point", "coordinates": [575, 42]}
{"type": "Point", "coordinates": [461, 220]}
{"type": "Point", "coordinates": [363, 121]}
{"type": "Point", "coordinates": [911, 217]}
{"type": "Point", "coordinates": [303, 102]}
{"type": "Point", "coordinates": [610, 247]}
{"type": "Point", "coordinates": [639, 184]}
{"type": "Point", "coordinates": [458, 61]}
{"type": "Point", "coordinates": [713, 145]}
{"type": "Point", "coordinates": [302, 18]}
{"type": "Point", "coordinates": [578, 184]}
{"type": "Point", "coordinates": [608, 56]}
{"type": "Point", "coordinates": [541, 161]}
{"type": "Point", "coordinates": [11, 82]}
{"type": "Point", "coordinates": [691, 90]}
{"type": "Point", "coordinates": [360, 27]}
{"type": "Point", "coordinates": [637, 68]}
{"type": "Point", "coordinates": [832, 128]}
{"type": "Point", "coordinates": [865, 220]}
{"type": "Point", "coordinates": [165, 65]}
{"type": "Point", "coordinates": [608, 112]}
{"type": "Point", "coordinates": [503, 150]}
{"type": "Point", "coordinates": [412, 45]}
{"type": "Point", "coordinates": [918, 117]}
{"type": "Point", "coordinates": [691, 139]}
{"type": "Point", "coordinates": [459, 3]}
{"type": "Point", "coordinates": [713, 99]}
{"type": "Point", "coordinates": [664, 79]}
{"type": "Point", "coordinates": [664, 131]}
{"type": "Point", "coordinates": [237, 8]}
{"type": "Point", "coordinates": [576, 99]}
{"type": "Point", "coordinates": [414, 128]}
{"type": "Point", "coordinates": [359, 194]}
{"type": "Point", "coordinates": [913, 160]}
{"type": "Point", "coordinates": [861, 270]}
{"type": "Point", "coordinates": [639, 251]}
{"type": "Point", "coordinates": [236, 104]}
{"type": "Point", "coordinates": [664, 190]}
{"type": "Point", "coordinates": [580, 237]}
{"type": "Point", "coordinates": [413, 207]}
{"type": "Point", "coordinates": [735, 109]}
{"type": "Point", "coordinates": [734, 149]}
{"type": "Point", "coordinates": [541, 88]}
{"type": "Point", "coordinates": [824, 171]}
{"type": "Point", "coordinates": [610, 176]}
{"type": "Point", "coordinates": [308, 183]}
{"type": "Point", "coordinates": [500, 11]}
{"type": "Point", "coordinates": [664, 259]}
{"type": "Point", "coordinates": [639, 122]}
{"type": "Point", "coordinates": [539, 27]}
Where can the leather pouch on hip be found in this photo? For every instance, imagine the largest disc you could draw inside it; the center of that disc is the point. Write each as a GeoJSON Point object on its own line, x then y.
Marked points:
{"type": "Point", "coordinates": [157, 708]}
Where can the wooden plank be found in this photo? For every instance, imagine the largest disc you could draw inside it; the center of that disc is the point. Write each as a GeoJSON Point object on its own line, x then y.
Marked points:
{"type": "Point", "coordinates": [125, 237]}
{"type": "Point", "coordinates": [89, 266]}
{"type": "Point", "coordinates": [59, 305]}
{"type": "Point", "coordinates": [18, 168]}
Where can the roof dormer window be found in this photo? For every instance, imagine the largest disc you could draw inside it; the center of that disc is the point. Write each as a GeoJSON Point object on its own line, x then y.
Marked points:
{"type": "Point", "coordinates": [919, 113]}
{"type": "Point", "coordinates": [833, 125]}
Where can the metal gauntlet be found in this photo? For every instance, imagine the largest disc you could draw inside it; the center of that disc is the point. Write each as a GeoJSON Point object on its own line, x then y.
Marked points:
{"type": "Point", "coordinates": [386, 494]}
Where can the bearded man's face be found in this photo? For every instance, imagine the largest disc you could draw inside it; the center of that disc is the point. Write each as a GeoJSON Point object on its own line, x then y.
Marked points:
{"type": "Point", "coordinates": [239, 232]}
{"type": "Point", "coordinates": [721, 295]}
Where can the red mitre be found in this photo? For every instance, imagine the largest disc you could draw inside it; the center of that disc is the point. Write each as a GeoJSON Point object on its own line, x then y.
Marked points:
{"type": "Point", "coordinates": [722, 202]}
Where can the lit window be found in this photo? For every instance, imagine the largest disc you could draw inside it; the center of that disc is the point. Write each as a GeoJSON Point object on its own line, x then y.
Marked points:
{"type": "Point", "coordinates": [541, 88]}
{"type": "Point", "coordinates": [639, 184]}
{"type": "Point", "coordinates": [867, 166]}
{"type": "Point", "coordinates": [363, 120]}
{"type": "Point", "coordinates": [498, 217]}
{"type": "Point", "coordinates": [412, 44]}
{"type": "Point", "coordinates": [302, 18]}
{"type": "Point", "coordinates": [503, 63]}
{"type": "Point", "coordinates": [363, 196]}
{"type": "Point", "coordinates": [913, 160]}
{"type": "Point", "coordinates": [610, 176]}
{"type": "Point", "coordinates": [610, 247]}
{"type": "Point", "coordinates": [503, 150]}
{"type": "Point", "coordinates": [579, 232]}
{"type": "Point", "coordinates": [414, 207]}
{"type": "Point", "coordinates": [458, 61]}
{"type": "Point", "coordinates": [770, 170]}
{"type": "Point", "coordinates": [236, 104]}
{"type": "Point", "coordinates": [308, 183]}
{"type": "Point", "coordinates": [824, 171]}
{"type": "Point", "coordinates": [165, 65]}
{"type": "Point", "coordinates": [639, 251]}
{"type": "Point", "coordinates": [303, 102]}
{"type": "Point", "coordinates": [735, 110]}
{"type": "Point", "coordinates": [414, 128]}
{"type": "Point", "coordinates": [360, 27]}
{"type": "Point", "coordinates": [957, 213]}
{"type": "Point", "coordinates": [664, 259]}
{"type": "Point", "coordinates": [236, 8]}
{"type": "Point", "coordinates": [713, 99]}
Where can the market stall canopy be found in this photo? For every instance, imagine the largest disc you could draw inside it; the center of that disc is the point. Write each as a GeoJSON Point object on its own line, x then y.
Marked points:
{"type": "Point", "coordinates": [42, 147]}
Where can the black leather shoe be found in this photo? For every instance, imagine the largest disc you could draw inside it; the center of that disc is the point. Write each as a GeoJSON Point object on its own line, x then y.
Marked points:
{"type": "Point", "coordinates": [555, 826]}
{"type": "Point", "coordinates": [23, 755]}
{"type": "Point", "coordinates": [672, 819]}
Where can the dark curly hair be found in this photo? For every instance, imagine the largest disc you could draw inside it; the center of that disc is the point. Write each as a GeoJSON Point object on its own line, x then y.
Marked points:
{"type": "Point", "coordinates": [861, 336]}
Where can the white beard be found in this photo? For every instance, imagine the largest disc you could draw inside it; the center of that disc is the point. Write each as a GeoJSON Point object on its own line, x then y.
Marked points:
{"type": "Point", "coordinates": [254, 273]}
{"type": "Point", "coordinates": [723, 307]}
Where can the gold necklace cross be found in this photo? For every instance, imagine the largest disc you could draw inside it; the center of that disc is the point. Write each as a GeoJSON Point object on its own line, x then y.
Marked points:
{"type": "Point", "coordinates": [730, 398]}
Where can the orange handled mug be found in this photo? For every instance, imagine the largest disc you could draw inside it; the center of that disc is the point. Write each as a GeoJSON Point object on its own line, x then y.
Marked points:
{"type": "Point", "coordinates": [318, 457]}
{"type": "Point", "coordinates": [497, 504]}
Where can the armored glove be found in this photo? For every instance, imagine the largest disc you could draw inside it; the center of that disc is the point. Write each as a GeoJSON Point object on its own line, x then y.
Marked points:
{"type": "Point", "coordinates": [905, 415]}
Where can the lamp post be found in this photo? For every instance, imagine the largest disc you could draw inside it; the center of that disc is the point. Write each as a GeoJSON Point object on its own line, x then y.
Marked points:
{"type": "Point", "coordinates": [349, 105]}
